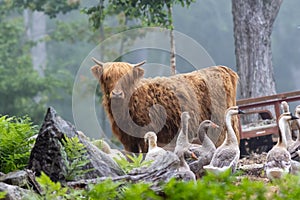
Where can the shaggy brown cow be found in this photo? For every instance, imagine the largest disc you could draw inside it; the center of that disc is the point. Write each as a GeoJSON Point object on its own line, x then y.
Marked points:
{"type": "Point", "coordinates": [136, 105]}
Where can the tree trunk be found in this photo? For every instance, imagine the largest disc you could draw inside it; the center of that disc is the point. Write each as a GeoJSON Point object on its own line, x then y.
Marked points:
{"type": "Point", "coordinates": [35, 23]}
{"type": "Point", "coordinates": [253, 21]}
{"type": "Point", "coordinates": [172, 42]}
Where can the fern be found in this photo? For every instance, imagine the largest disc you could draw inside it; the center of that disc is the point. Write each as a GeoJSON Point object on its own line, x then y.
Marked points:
{"type": "Point", "coordinates": [104, 190]}
{"type": "Point", "coordinates": [134, 162]}
{"type": "Point", "coordinates": [2, 195]}
{"type": "Point", "coordinates": [76, 158]}
{"type": "Point", "coordinates": [52, 190]}
{"type": "Point", "coordinates": [15, 145]}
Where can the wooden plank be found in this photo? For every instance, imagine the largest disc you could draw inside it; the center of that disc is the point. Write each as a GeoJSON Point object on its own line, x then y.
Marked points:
{"type": "Point", "coordinates": [271, 98]}
{"type": "Point", "coordinates": [259, 132]}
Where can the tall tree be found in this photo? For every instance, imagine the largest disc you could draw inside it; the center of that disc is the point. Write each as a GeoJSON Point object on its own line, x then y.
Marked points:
{"type": "Point", "coordinates": [148, 13]}
{"type": "Point", "coordinates": [253, 22]}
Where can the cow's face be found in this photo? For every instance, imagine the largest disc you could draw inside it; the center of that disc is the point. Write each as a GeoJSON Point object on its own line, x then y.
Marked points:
{"type": "Point", "coordinates": [126, 84]}
{"type": "Point", "coordinates": [116, 78]}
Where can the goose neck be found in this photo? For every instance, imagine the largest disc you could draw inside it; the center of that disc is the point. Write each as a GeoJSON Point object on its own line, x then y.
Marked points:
{"type": "Point", "coordinates": [230, 135]}
{"type": "Point", "coordinates": [283, 126]}
{"type": "Point", "coordinates": [185, 127]}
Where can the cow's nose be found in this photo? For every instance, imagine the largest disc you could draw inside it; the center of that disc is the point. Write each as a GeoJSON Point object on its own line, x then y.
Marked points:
{"type": "Point", "coordinates": [117, 94]}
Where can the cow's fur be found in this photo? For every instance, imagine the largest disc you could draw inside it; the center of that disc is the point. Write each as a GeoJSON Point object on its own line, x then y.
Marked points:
{"type": "Point", "coordinates": [128, 98]}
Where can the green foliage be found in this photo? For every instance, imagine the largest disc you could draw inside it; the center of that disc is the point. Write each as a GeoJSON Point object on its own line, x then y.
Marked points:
{"type": "Point", "coordinates": [149, 13]}
{"type": "Point", "coordinates": [134, 162]}
{"type": "Point", "coordinates": [2, 195]}
{"type": "Point", "coordinates": [15, 145]}
{"type": "Point", "coordinates": [76, 158]}
{"type": "Point", "coordinates": [287, 187]}
{"type": "Point", "coordinates": [51, 8]}
{"type": "Point", "coordinates": [221, 187]}
{"type": "Point", "coordinates": [104, 190]}
{"type": "Point", "coordinates": [23, 91]}
{"type": "Point", "coordinates": [19, 82]}
{"type": "Point", "coordinates": [216, 187]}
{"type": "Point", "coordinates": [139, 191]}
{"type": "Point", "coordinates": [52, 190]}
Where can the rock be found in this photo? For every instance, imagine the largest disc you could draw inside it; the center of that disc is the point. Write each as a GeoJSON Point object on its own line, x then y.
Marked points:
{"type": "Point", "coordinates": [13, 192]}
{"type": "Point", "coordinates": [18, 178]}
{"type": "Point", "coordinates": [48, 155]}
{"type": "Point", "coordinates": [161, 170]}
{"type": "Point", "coordinates": [23, 178]}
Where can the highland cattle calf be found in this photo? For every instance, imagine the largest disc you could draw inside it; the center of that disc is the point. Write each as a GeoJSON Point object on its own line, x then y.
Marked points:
{"type": "Point", "coordinates": [136, 105]}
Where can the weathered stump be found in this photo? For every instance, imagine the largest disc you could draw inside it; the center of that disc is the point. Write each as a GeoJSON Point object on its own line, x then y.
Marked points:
{"type": "Point", "coordinates": [48, 155]}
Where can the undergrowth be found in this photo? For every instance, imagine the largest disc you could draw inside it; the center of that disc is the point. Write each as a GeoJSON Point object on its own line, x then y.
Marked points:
{"type": "Point", "coordinates": [76, 159]}
{"type": "Point", "coordinates": [15, 147]}
{"type": "Point", "coordinates": [134, 161]}
{"type": "Point", "coordinates": [210, 186]}
{"type": "Point", "coordinates": [15, 142]}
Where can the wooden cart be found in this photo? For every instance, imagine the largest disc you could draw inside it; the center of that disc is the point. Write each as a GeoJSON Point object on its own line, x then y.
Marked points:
{"type": "Point", "coordinates": [260, 138]}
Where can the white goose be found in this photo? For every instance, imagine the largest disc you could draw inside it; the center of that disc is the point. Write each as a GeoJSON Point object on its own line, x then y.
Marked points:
{"type": "Point", "coordinates": [278, 158]}
{"type": "Point", "coordinates": [286, 109]}
{"type": "Point", "coordinates": [153, 150]}
{"type": "Point", "coordinates": [294, 147]}
{"type": "Point", "coordinates": [297, 122]}
{"type": "Point", "coordinates": [226, 155]}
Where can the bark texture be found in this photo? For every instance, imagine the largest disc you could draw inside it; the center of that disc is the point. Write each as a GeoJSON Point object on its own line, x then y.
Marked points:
{"type": "Point", "coordinates": [47, 154]}
{"type": "Point", "coordinates": [253, 21]}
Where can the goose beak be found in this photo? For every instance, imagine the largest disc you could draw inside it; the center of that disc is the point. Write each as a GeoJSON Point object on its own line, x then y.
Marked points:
{"type": "Point", "coordinates": [241, 112]}
{"type": "Point", "coordinates": [293, 117]}
{"type": "Point", "coordinates": [194, 156]}
{"type": "Point", "coordinates": [213, 125]}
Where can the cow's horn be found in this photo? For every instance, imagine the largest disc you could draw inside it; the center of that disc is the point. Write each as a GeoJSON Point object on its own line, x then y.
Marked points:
{"type": "Point", "coordinates": [139, 64]}
{"type": "Point", "coordinates": [97, 62]}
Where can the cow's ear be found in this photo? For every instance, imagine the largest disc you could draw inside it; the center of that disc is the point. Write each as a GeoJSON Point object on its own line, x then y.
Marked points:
{"type": "Point", "coordinates": [138, 73]}
{"type": "Point", "coordinates": [97, 71]}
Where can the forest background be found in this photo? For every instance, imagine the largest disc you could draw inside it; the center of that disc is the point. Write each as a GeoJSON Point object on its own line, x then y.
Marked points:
{"type": "Point", "coordinates": [41, 54]}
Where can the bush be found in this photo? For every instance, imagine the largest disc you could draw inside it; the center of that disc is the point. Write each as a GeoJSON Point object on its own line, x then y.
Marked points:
{"type": "Point", "coordinates": [15, 142]}
{"type": "Point", "coordinates": [209, 187]}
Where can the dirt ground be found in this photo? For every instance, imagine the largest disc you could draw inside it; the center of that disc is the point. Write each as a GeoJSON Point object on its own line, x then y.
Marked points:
{"type": "Point", "coordinates": [252, 166]}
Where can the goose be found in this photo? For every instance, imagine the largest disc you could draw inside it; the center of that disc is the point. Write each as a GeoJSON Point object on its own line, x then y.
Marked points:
{"type": "Point", "coordinates": [183, 169]}
{"type": "Point", "coordinates": [278, 158]}
{"type": "Point", "coordinates": [295, 145]}
{"type": "Point", "coordinates": [182, 139]}
{"type": "Point", "coordinates": [206, 151]}
{"type": "Point", "coordinates": [153, 150]}
{"type": "Point", "coordinates": [104, 146]}
{"type": "Point", "coordinates": [227, 155]}
{"type": "Point", "coordinates": [286, 109]}
{"type": "Point", "coordinates": [297, 122]}
{"type": "Point", "coordinates": [201, 136]}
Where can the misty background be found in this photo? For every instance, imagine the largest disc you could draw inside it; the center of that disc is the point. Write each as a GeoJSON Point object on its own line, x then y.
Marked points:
{"type": "Point", "coordinates": [63, 42]}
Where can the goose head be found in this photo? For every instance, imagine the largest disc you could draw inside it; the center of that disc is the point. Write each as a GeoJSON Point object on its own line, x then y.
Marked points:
{"type": "Point", "coordinates": [285, 117]}
{"type": "Point", "coordinates": [285, 107]}
{"type": "Point", "coordinates": [202, 130]}
{"type": "Point", "coordinates": [234, 110]}
{"type": "Point", "coordinates": [151, 138]}
{"type": "Point", "coordinates": [284, 127]}
{"type": "Point", "coordinates": [297, 111]}
{"type": "Point", "coordinates": [185, 116]}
